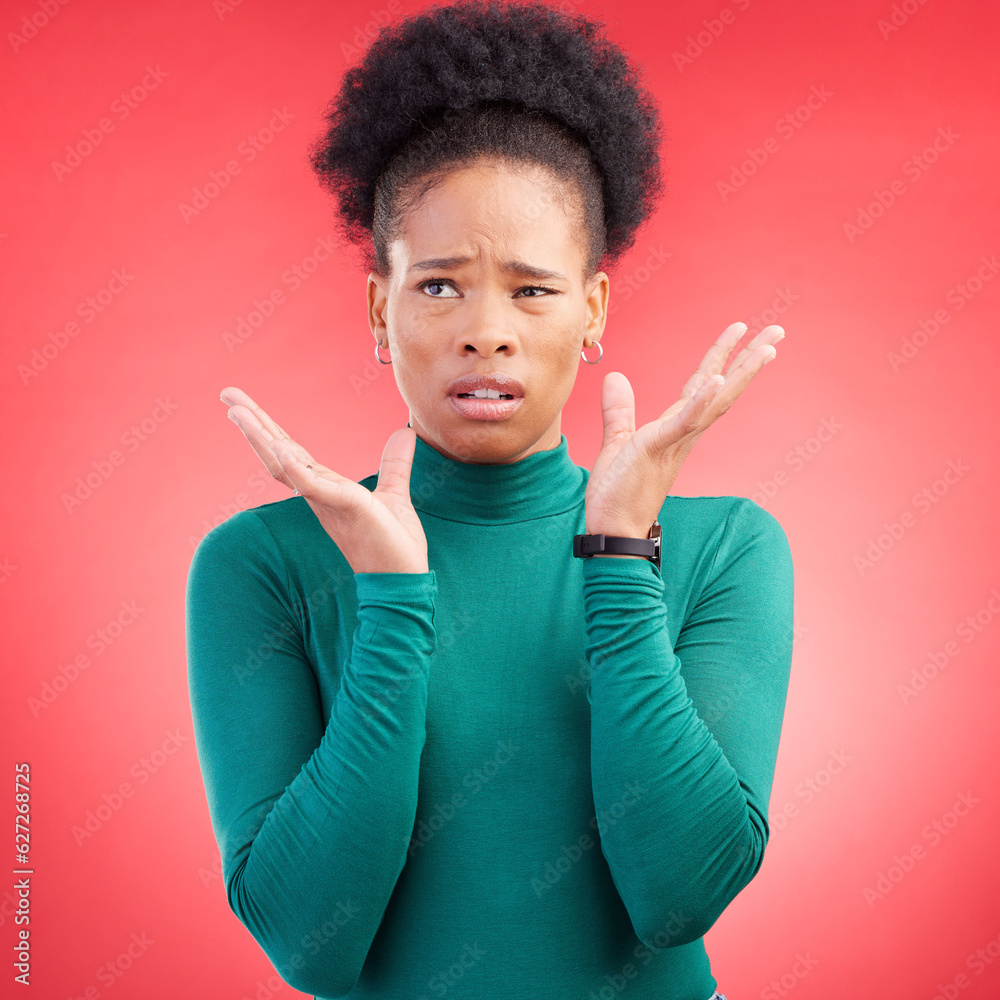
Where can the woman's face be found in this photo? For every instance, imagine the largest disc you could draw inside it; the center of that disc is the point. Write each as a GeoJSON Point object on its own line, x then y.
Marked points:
{"type": "Point", "coordinates": [468, 296]}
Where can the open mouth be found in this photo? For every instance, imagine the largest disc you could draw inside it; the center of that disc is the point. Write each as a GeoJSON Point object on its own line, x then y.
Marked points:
{"type": "Point", "coordinates": [486, 404]}
{"type": "Point", "coordinates": [484, 394]}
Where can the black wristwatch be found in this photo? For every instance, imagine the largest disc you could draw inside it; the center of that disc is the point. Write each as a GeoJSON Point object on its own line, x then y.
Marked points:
{"type": "Point", "coordinates": [587, 545]}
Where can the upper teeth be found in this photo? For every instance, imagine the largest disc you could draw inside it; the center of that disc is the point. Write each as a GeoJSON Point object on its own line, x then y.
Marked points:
{"type": "Point", "coordinates": [486, 393]}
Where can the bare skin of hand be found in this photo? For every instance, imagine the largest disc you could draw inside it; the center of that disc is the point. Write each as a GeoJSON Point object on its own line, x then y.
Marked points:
{"type": "Point", "coordinates": [377, 531]}
{"type": "Point", "coordinates": [635, 469]}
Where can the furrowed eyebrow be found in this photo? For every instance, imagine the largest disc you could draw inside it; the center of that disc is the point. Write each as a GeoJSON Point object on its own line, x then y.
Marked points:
{"type": "Point", "coordinates": [510, 267]}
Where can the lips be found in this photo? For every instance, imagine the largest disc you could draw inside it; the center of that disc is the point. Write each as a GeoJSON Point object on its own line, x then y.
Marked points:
{"type": "Point", "coordinates": [506, 384]}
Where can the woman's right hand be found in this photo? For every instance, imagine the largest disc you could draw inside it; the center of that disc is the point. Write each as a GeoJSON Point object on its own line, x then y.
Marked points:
{"type": "Point", "coordinates": [377, 531]}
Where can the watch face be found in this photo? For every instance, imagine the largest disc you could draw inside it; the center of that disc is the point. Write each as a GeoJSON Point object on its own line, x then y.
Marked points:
{"type": "Point", "coordinates": [656, 532]}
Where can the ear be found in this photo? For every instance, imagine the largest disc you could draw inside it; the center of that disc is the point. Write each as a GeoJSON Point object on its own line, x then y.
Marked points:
{"type": "Point", "coordinates": [377, 301]}
{"type": "Point", "coordinates": [597, 293]}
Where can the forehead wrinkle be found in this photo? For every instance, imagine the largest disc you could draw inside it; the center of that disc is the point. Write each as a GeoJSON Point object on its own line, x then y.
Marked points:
{"type": "Point", "coordinates": [512, 266]}
{"type": "Point", "coordinates": [485, 224]}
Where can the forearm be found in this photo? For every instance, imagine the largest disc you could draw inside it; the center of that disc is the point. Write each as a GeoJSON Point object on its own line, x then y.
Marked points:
{"type": "Point", "coordinates": [334, 843]}
{"type": "Point", "coordinates": [313, 816]}
{"type": "Point", "coordinates": [680, 837]}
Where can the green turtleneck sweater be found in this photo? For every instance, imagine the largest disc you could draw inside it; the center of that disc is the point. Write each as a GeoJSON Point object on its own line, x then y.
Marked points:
{"type": "Point", "coordinates": [518, 775]}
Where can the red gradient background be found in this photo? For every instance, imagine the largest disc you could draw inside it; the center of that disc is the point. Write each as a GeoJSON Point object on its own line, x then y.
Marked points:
{"type": "Point", "coordinates": [880, 463]}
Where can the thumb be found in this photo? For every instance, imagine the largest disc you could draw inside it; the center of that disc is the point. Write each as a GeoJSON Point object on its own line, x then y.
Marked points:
{"type": "Point", "coordinates": [618, 407]}
{"type": "Point", "coordinates": [397, 461]}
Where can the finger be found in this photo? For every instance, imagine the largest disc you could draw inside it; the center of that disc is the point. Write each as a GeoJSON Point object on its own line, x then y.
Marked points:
{"type": "Point", "coordinates": [261, 441]}
{"type": "Point", "coordinates": [258, 433]}
{"type": "Point", "coordinates": [248, 420]}
{"type": "Point", "coordinates": [772, 334]}
{"type": "Point", "coordinates": [692, 385]}
{"type": "Point", "coordinates": [617, 407]}
{"type": "Point", "coordinates": [251, 430]}
{"type": "Point", "coordinates": [397, 461]}
{"type": "Point", "coordinates": [695, 383]}
{"type": "Point", "coordinates": [713, 363]}
{"type": "Point", "coordinates": [715, 358]}
{"type": "Point", "coordinates": [706, 397]}
{"type": "Point", "coordinates": [687, 417]}
{"type": "Point", "coordinates": [752, 358]}
{"type": "Point", "coordinates": [233, 396]}
{"type": "Point", "coordinates": [690, 417]}
{"type": "Point", "coordinates": [314, 482]}
{"type": "Point", "coordinates": [738, 378]}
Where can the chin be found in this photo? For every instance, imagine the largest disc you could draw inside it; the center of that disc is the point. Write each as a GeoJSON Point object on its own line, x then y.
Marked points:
{"type": "Point", "coordinates": [484, 441]}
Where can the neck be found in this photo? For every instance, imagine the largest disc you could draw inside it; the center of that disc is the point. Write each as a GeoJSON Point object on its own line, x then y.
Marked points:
{"type": "Point", "coordinates": [550, 439]}
{"type": "Point", "coordinates": [543, 483]}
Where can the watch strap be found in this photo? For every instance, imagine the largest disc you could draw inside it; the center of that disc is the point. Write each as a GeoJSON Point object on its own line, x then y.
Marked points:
{"type": "Point", "coordinates": [585, 546]}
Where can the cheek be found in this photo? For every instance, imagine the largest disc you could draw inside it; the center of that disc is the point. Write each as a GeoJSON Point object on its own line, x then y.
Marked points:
{"type": "Point", "coordinates": [564, 357]}
{"type": "Point", "coordinates": [417, 364]}
{"type": "Point", "coordinates": [553, 372]}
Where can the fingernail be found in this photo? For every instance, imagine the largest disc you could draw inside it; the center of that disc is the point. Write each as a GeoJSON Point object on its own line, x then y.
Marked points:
{"type": "Point", "coordinates": [233, 418]}
{"type": "Point", "coordinates": [771, 356]}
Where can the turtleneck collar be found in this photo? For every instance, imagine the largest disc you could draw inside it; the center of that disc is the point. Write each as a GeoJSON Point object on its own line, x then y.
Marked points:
{"type": "Point", "coordinates": [543, 483]}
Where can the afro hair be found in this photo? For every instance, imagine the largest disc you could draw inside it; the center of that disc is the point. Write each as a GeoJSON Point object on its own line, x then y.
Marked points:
{"type": "Point", "coordinates": [528, 84]}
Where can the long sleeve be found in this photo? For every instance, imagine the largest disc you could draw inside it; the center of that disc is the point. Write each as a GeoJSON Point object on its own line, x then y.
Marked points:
{"type": "Point", "coordinates": [313, 820]}
{"type": "Point", "coordinates": [684, 733]}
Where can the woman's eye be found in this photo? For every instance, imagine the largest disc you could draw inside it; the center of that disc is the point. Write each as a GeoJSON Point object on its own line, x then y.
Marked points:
{"type": "Point", "coordinates": [431, 284]}
{"type": "Point", "coordinates": [436, 284]}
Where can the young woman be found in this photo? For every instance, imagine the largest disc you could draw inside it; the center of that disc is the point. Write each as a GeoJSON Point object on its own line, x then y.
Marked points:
{"type": "Point", "coordinates": [450, 747]}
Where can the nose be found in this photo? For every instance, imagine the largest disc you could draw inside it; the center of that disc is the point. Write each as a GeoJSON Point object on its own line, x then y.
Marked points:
{"type": "Point", "coordinates": [486, 345]}
{"type": "Point", "coordinates": [486, 333]}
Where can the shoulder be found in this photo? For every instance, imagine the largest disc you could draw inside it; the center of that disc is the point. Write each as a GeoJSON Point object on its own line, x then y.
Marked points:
{"type": "Point", "coordinates": [279, 549]}
{"type": "Point", "coordinates": [264, 537]}
{"type": "Point", "coordinates": [250, 527]}
{"type": "Point", "coordinates": [711, 512]}
{"type": "Point", "coordinates": [722, 529]}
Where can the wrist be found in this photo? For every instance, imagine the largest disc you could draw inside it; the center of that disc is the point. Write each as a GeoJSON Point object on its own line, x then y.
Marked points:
{"type": "Point", "coordinates": [624, 542]}
{"type": "Point", "coordinates": [619, 531]}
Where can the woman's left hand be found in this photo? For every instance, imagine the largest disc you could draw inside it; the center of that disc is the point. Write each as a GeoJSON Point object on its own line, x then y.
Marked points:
{"type": "Point", "coordinates": [635, 469]}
